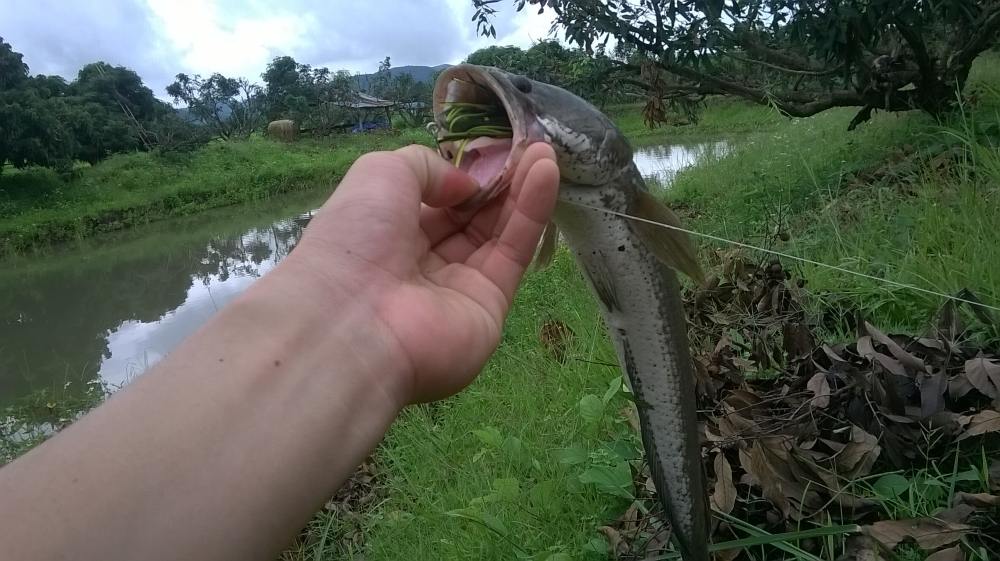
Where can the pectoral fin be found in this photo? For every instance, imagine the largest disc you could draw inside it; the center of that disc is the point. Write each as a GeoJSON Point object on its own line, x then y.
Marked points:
{"type": "Point", "coordinates": [672, 247]}
{"type": "Point", "coordinates": [546, 247]}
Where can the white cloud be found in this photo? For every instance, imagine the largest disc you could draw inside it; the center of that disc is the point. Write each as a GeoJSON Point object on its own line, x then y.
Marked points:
{"type": "Point", "coordinates": [160, 38]}
{"type": "Point", "coordinates": [211, 41]}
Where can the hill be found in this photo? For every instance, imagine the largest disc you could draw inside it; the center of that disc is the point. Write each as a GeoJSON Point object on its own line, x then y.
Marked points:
{"type": "Point", "coordinates": [419, 74]}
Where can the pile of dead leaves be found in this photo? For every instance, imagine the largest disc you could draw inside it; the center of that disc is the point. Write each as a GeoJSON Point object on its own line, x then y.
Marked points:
{"type": "Point", "coordinates": [793, 428]}
{"type": "Point", "coordinates": [357, 497]}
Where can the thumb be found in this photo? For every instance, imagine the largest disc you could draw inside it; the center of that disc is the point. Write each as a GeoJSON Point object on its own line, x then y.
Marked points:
{"type": "Point", "coordinates": [442, 184]}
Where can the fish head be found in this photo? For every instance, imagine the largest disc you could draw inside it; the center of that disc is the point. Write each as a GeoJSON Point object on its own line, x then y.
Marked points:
{"type": "Point", "coordinates": [590, 151]}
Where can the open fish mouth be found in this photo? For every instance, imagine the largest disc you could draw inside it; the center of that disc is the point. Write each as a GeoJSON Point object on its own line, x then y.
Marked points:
{"type": "Point", "coordinates": [484, 124]}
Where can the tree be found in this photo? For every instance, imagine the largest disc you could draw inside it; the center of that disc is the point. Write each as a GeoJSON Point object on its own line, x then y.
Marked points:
{"type": "Point", "coordinates": [107, 109]}
{"type": "Point", "coordinates": [229, 106]}
{"type": "Point", "coordinates": [288, 88]}
{"type": "Point", "coordinates": [13, 70]}
{"type": "Point", "coordinates": [801, 56]}
{"type": "Point", "coordinates": [306, 94]}
{"type": "Point", "coordinates": [547, 61]}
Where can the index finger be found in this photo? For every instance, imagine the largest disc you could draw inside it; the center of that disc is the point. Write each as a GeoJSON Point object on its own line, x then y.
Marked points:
{"type": "Point", "coordinates": [415, 172]}
{"type": "Point", "coordinates": [504, 260]}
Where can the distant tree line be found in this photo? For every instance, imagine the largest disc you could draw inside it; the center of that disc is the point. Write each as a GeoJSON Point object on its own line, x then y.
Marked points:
{"type": "Point", "coordinates": [106, 109]}
{"type": "Point", "coordinates": [47, 121]}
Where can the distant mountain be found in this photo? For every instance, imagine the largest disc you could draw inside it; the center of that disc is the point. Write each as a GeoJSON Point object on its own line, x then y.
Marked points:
{"type": "Point", "coordinates": [419, 73]}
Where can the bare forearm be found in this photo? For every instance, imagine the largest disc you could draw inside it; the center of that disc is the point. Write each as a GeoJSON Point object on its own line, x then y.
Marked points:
{"type": "Point", "coordinates": [268, 426]}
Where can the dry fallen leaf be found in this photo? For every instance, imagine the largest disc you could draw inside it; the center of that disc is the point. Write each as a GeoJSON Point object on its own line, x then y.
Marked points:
{"type": "Point", "coordinates": [929, 533]}
{"type": "Point", "coordinates": [727, 554]}
{"type": "Point", "coordinates": [724, 494]}
{"type": "Point", "coordinates": [614, 537]}
{"type": "Point", "coordinates": [950, 554]}
{"type": "Point", "coordinates": [631, 414]}
{"type": "Point", "coordinates": [985, 421]}
{"type": "Point", "coordinates": [859, 455]}
{"type": "Point", "coordinates": [984, 375]}
{"type": "Point", "coordinates": [994, 475]}
{"type": "Point", "coordinates": [763, 475]}
{"type": "Point", "coordinates": [977, 500]}
{"type": "Point", "coordinates": [906, 358]}
{"type": "Point", "coordinates": [820, 387]}
{"type": "Point", "coordinates": [958, 514]}
{"type": "Point", "coordinates": [861, 548]}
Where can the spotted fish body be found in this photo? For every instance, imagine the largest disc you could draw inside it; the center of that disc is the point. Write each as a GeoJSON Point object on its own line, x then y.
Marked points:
{"type": "Point", "coordinates": [629, 265]}
{"type": "Point", "coordinates": [642, 310]}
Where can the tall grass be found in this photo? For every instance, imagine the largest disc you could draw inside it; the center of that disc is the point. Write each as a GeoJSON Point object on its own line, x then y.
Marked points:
{"type": "Point", "coordinates": [905, 198]}
{"type": "Point", "coordinates": [809, 178]}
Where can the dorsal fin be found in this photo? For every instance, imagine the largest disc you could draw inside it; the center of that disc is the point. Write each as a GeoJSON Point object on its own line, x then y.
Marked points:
{"type": "Point", "coordinates": [672, 247]}
{"type": "Point", "coordinates": [546, 247]}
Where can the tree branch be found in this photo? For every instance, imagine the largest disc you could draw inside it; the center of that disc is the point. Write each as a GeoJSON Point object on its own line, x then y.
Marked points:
{"type": "Point", "coordinates": [985, 34]}
{"type": "Point", "coordinates": [774, 56]}
{"type": "Point", "coordinates": [797, 103]}
{"type": "Point", "coordinates": [786, 70]}
{"type": "Point", "coordinates": [924, 62]}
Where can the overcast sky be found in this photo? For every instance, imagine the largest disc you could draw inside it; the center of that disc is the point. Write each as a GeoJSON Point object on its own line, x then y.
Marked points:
{"type": "Point", "coordinates": [160, 38]}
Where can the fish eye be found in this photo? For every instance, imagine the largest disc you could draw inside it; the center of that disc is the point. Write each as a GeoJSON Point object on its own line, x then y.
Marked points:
{"type": "Point", "coordinates": [522, 84]}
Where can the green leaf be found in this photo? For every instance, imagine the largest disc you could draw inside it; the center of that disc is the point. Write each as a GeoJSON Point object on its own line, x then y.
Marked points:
{"type": "Point", "coordinates": [561, 556]}
{"type": "Point", "coordinates": [507, 488]}
{"type": "Point", "coordinates": [623, 449]}
{"type": "Point", "coordinates": [891, 485]}
{"type": "Point", "coordinates": [545, 494]}
{"type": "Point", "coordinates": [967, 475]}
{"type": "Point", "coordinates": [489, 436]}
{"type": "Point", "coordinates": [572, 455]}
{"type": "Point", "coordinates": [591, 408]}
{"type": "Point", "coordinates": [597, 546]}
{"type": "Point", "coordinates": [613, 388]}
{"type": "Point", "coordinates": [494, 523]}
{"type": "Point", "coordinates": [484, 518]}
{"type": "Point", "coordinates": [614, 480]}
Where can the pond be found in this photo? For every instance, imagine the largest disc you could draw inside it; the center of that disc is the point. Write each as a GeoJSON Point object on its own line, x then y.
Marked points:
{"type": "Point", "coordinates": [108, 308]}
{"type": "Point", "coordinates": [660, 163]}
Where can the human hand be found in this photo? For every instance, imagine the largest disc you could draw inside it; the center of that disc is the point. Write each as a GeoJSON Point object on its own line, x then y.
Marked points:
{"type": "Point", "coordinates": [436, 283]}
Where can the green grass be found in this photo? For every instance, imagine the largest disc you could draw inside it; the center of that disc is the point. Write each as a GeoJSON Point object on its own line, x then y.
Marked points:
{"type": "Point", "coordinates": [37, 207]}
{"type": "Point", "coordinates": [719, 117]}
{"type": "Point", "coordinates": [533, 457]}
{"type": "Point", "coordinates": [495, 473]}
{"type": "Point", "coordinates": [940, 232]}
{"type": "Point", "coordinates": [933, 228]}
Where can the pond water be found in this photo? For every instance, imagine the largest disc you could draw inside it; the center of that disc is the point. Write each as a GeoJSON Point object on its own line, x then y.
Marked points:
{"type": "Point", "coordinates": [108, 308]}
{"type": "Point", "coordinates": [661, 162]}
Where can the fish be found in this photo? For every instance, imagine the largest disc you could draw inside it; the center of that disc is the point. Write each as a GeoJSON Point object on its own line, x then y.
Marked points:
{"type": "Point", "coordinates": [630, 265]}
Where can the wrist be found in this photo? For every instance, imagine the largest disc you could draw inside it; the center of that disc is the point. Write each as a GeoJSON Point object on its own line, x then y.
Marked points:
{"type": "Point", "coordinates": [330, 326]}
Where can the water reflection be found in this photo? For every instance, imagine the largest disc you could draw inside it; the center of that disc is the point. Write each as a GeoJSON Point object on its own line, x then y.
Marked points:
{"type": "Point", "coordinates": [661, 163]}
{"type": "Point", "coordinates": [114, 308]}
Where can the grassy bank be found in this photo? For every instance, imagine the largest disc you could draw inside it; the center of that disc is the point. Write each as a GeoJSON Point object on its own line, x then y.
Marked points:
{"type": "Point", "coordinates": [529, 462]}
{"type": "Point", "coordinates": [718, 117]}
{"type": "Point", "coordinates": [37, 207]}
{"type": "Point", "coordinates": [533, 458]}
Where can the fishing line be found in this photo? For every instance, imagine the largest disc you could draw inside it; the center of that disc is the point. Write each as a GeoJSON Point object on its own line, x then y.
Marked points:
{"type": "Point", "coordinates": [790, 256]}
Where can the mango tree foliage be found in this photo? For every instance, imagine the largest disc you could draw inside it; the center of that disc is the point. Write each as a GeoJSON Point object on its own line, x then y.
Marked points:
{"type": "Point", "coordinates": [48, 122]}
{"type": "Point", "coordinates": [801, 56]}
{"type": "Point", "coordinates": [230, 107]}
{"type": "Point", "coordinates": [547, 61]}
